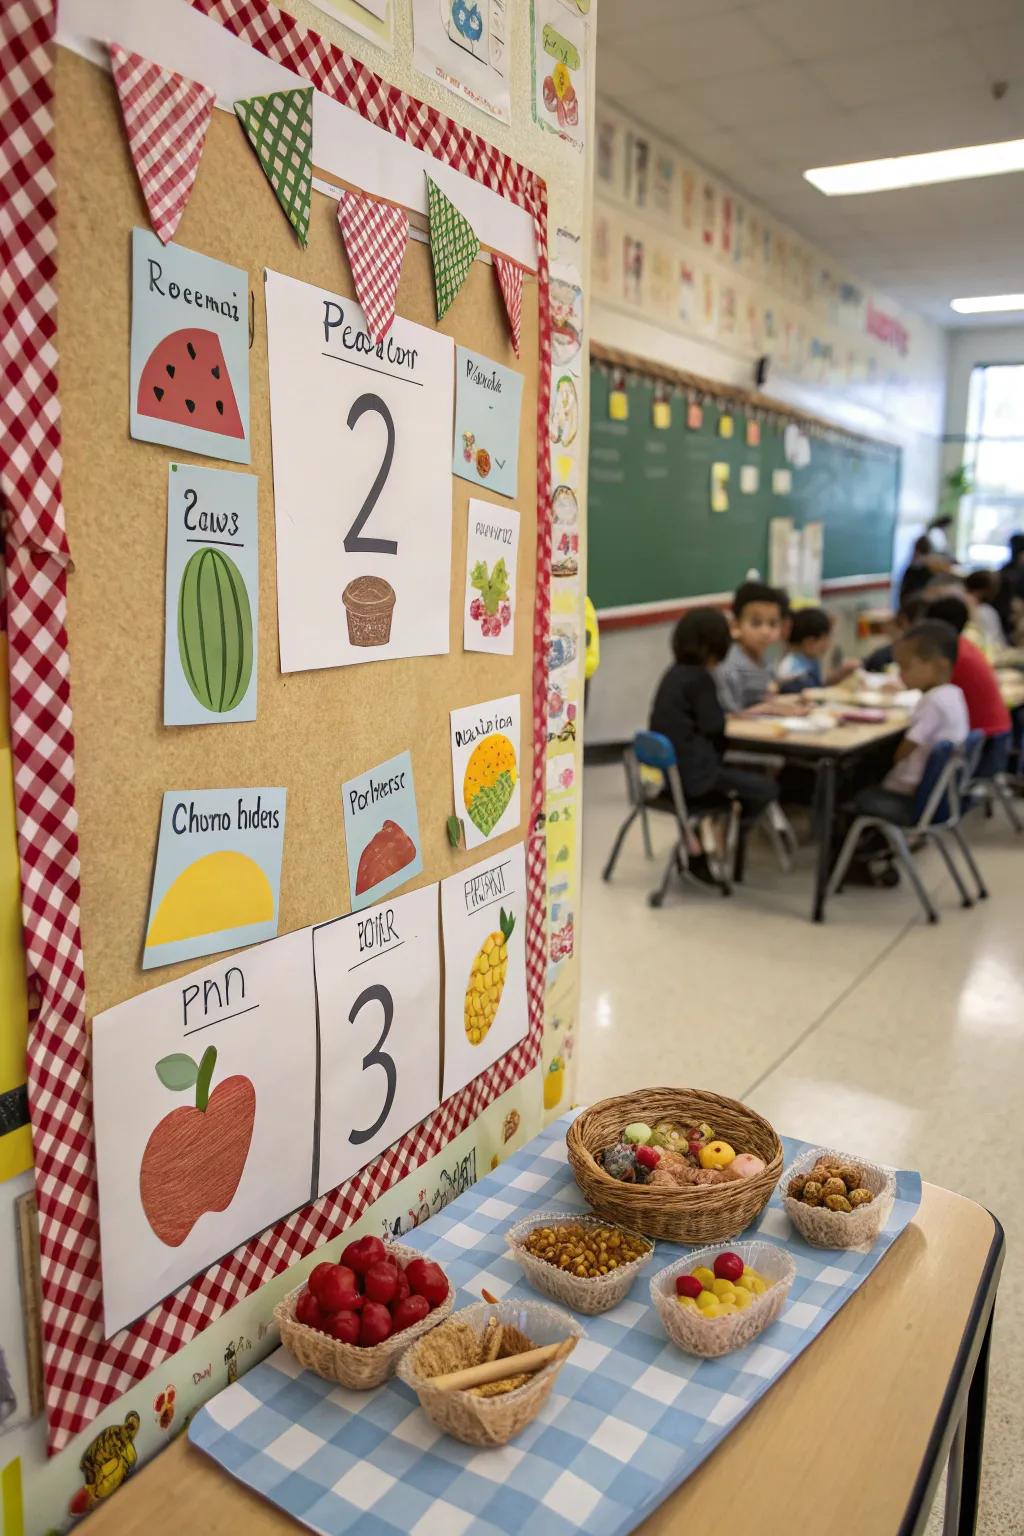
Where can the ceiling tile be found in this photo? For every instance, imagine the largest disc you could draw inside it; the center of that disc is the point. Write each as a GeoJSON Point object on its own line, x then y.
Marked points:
{"type": "Point", "coordinates": [816, 29]}
{"type": "Point", "coordinates": [759, 96]}
{"type": "Point", "coordinates": [896, 71]}
{"type": "Point", "coordinates": [669, 112]}
{"type": "Point", "coordinates": [700, 47]}
{"type": "Point", "coordinates": [999, 48]}
{"type": "Point", "coordinates": [617, 77]}
{"type": "Point", "coordinates": [621, 18]}
{"type": "Point", "coordinates": [918, 124]}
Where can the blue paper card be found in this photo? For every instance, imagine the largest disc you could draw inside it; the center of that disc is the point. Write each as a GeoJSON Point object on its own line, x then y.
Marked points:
{"type": "Point", "coordinates": [212, 596]}
{"type": "Point", "coordinates": [189, 351]}
{"type": "Point", "coordinates": [217, 879]}
{"type": "Point", "coordinates": [488, 398]}
{"type": "Point", "coordinates": [382, 830]}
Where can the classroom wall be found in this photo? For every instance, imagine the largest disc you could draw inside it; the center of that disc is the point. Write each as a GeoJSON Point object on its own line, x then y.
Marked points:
{"type": "Point", "coordinates": [969, 348]}
{"type": "Point", "coordinates": [35, 1492]}
{"type": "Point", "coordinates": [823, 360]}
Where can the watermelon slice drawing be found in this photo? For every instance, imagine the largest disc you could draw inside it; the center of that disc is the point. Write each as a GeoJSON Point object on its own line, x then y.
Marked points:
{"type": "Point", "coordinates": [185, 380]}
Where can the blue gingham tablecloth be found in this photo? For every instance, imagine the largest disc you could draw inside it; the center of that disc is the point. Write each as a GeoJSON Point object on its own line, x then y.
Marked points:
{"type": "Point", "coordinates": [629, 1419]}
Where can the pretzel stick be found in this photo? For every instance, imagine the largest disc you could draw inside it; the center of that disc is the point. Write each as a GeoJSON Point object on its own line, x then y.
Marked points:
{"type": "Point", "coordinates": [497, 1370]}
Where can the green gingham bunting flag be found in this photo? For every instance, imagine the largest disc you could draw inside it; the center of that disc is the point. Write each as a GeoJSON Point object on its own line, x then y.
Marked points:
{"type": "Point", "coordinates": [280, 129]}
{"type": "Point", "coordinates": [453, 246]}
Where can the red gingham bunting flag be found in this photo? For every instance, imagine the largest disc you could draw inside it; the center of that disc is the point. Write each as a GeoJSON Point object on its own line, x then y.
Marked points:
{"type": "Point", "coordinates": [165, 118]}
{"type": "Point", "coordinates": [510, 281]}
{"type": "Point", "coordinates": [375, 236]}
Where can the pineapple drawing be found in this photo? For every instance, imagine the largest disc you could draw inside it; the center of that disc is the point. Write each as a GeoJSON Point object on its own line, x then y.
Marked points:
{"type": "Point", "coordinates": [489, 781]}
{"type": "Point", "coordinates": [487, 979]}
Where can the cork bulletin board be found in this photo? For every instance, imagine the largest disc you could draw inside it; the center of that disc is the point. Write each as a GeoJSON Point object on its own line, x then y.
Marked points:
{"type": "Point", "coordinates": [313, 729]}
{"type": "Point", "coordinates": [99, 613]}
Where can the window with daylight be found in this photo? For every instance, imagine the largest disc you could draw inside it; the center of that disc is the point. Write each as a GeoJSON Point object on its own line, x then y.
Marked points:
{"type": "Point", "coordinates": [994, 460]}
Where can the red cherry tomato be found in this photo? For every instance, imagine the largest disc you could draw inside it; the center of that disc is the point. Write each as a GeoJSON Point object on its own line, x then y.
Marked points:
{"type": "Point", "coordinates": [381, 1283]}
{"type": "Point", "coordinates": [338, 1291]}
{"type": "Point", "coordinates": [343, 1326]}
{"type": "Point", "coordinates": [317, 1275]}
{"type": "Point", "coordinates": [374, 1324]}
{"type": "Point", "coordinates": [308, 1311]}
{"type": "Point", "coordinates": [728, 1266]}
{"type": "Point", "coordinates": [404, 1288]}
{"type": "Point", "coordinates": [688, 1285]}
{"type": "Point", "coordinates": [411, 1309]}
{"type": "Point", "coordinates": [428, 1279]}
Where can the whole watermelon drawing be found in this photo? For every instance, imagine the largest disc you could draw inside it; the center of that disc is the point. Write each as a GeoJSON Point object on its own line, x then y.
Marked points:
{"type": "Point", "coordinates": [215, 640]}
{"type": "Point", "coordinates": [185, 380]}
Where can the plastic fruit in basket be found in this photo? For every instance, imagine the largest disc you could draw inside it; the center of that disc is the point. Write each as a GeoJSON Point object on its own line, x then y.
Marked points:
{"type": "Point", "coordinates": [689, 1286]}
{"type": "Point", "coordinates": [717, 1154]}
{"type": "Point", "coordinates": [729, 1267]}
{"type": "Point", "coordinates": [374, 1324]}
{"type": "Point", "coordinates": [427, 1279]}
{"type": "Point", "coordinates": [337, 1291]}
{"type": "Point", "coordinates": [343, 1326]}
{"type": "Point", "coordinates": [359, 1255]}
{"type": "Point", "coordinates": [411, 1309]}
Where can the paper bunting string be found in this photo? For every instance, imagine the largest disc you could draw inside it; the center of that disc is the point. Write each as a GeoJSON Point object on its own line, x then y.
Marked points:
{"type": "Point", "coordinates": [510, 281]}
{"type": "Point", "coordinates": [280, 129]}
{"type": "Point", "coordinates": [375, 236]}
{"type": "Point", "coordinates": [453, 246]}
{"type": "Point", "coordinates": [165, 118]}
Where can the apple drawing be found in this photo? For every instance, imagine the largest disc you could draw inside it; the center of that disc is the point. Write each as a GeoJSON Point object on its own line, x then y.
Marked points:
{"type": "Point", "coordinates": [194, 1158]}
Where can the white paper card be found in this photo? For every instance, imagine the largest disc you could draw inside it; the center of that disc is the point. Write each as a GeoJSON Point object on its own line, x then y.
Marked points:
{"type": "Point", "coordinates": [750, 479]}
{"type": "Point", "coordinates": [782, 482]}
{"type": "Point", "coordinates": [362, 481]}
{"type": "Point", "coordinates": [489, 620]}
{"type": "Point", "coordinates": [483, 912]}
{"type": "Point", "coordinates": [486, 768]}
{"type": "Point", "coordinates": [462, 44]}
{"type": "Point", "coordinates": [200, 1142]}
{"type": "Point", "coordinates": [378, 988]}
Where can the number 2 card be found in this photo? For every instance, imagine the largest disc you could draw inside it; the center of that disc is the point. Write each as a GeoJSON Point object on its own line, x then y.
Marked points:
{"type": "Point", "coordinates": [378, 982]}
{"type": "Point", "coordinates": [361, 435]}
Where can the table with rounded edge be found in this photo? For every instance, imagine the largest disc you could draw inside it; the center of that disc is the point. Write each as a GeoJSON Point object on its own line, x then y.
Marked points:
{"type": "Point", "coordinates": [850, 1441]}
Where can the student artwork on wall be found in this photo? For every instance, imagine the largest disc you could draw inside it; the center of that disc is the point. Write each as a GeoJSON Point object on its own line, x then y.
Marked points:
{"type": "Point", "coordinates": [218, 873]}
{"type": "Point", "coordinates": [378, 982]}
{"type": "Point", "coordinates": [567, 322]}
{"type": "Point", "coordinates": [212, 596]}
{"type": "Point", "coordinates": [560, 71]}
{"type": "Point", "coordinates": [492, 546]}
{"type": "Point", "coordinates": [483, 913]}
{"type": "Point", "coordinates": [487, 406]}
{"type": "Point", "coordinates": [485, 768]}
{"type": "Point", "coordinates": [382, 830]}
{"type": "Point", "coordinates": [462, 44]}
{"type": "Point", "coordinates": [201, 1141]}
{"type": "Point", "coordinates": [189, 377]}
{"type": "Point", "coordinates": [361, 436]}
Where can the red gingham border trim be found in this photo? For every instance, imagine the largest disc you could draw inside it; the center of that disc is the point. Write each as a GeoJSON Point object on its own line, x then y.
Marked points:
{"type": "Point", "coordinates": [82, 1372]}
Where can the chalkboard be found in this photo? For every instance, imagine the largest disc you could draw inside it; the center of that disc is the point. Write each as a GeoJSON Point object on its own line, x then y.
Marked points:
{"type": "Point", "coordinates": [652, 535]}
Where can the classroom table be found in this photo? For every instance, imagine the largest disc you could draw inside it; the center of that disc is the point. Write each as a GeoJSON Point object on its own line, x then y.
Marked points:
{"type": "Point", "coordinates": [854, 1436]}
{"type": "Point", "coordinates": [823, 751]}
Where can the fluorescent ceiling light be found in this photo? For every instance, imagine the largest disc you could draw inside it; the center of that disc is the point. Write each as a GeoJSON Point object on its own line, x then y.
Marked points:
{"type": "Point", "coordinates": [918, 170]}
{"type": "Point", "coordinates": [988, 303]}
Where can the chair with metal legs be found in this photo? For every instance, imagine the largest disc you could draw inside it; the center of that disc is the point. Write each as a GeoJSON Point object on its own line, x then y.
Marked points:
{"type": "Point", "coordinates": [991, 784]}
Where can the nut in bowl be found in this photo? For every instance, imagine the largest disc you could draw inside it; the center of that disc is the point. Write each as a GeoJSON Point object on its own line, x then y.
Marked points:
{"type": "Point", "coordinates": [490, 1413]}
{"type": "Point", "coordinates": [583, 1262]}
{"type": "Point", "coordinates": [351, 1321]}
{"type": "Point", "coordinates": [762, 1271]}
{"type": "Point", "coordinates": [835, 1200]}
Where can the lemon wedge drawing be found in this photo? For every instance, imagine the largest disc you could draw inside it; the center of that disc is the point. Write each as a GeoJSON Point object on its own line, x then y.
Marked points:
{"type": "Point", "coordinates": [221, 890]}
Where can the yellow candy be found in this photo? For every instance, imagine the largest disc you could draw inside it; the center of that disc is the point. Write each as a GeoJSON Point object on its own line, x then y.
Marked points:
{"type": "Point", "coordinates": [742, 1300]}
{"type": "Point", "coordinates": [727, 1309]}
{"type": "Point", "coordinates": [687, 1301]}
{"type": "Point", "coordinates": [705, 1276]}
{"type": "Point", "coordinates": [706, 1299]}
{"type": "Point", "coordinates": [715, 1309]}
{"type": "Point", "coordinates": [724, 1290]}
{"type": "Point", "coordinates": [745, 1282]}
{"type": "Point", "coordinates": [758, 1287]}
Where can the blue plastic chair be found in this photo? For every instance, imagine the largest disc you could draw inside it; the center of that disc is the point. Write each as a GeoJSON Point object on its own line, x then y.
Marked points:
{"type": "Point", "coordinates": [936, 815]}
{"type": "Point", "coordinates": [653, 750]}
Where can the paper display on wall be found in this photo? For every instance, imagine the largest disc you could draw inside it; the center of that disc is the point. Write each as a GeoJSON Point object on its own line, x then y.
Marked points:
{"type": "Point", "coordinates": [560, 71]}
{"type": "Point", "coordinates": [189, 376]}
{"type": "Point", "coordinates": [362, 481]}
{"type": "Point", "coordinates": [200, 1142]}
{"type": "Point", "coordinates": [211, 622]}
{"type": "Point", "coordinates": [486, 768]}
{"type": "Point", "coordinates": [217, 877]}
{"type": "Point", "coordinates": [487, 407]}
{"type": "Point", "coordinates": [492, 546]}
{"type": "Point", "coordinates": [378, 986]}
{"type": "Point", "coordinates": [382, 830]}
{"type": "Point", "coordinates": [483, 911]}
{"type": "Point", "coordinates": [463, 45]}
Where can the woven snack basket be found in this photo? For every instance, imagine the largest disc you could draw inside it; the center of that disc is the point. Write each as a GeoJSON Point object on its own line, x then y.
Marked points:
{"type": "Point", "coordinates": [823, 1228]}
{"type": "Point", "coordinates": [589, 1296]}
{"type": "Point", "coordinates": [711, 1337]}
{"type": "Point", "coordinates": [349, 1364]}
{"type": "Point", "coordinates": [480, 1420]}
{"type": "Point", "coordinates": [699, 1214]}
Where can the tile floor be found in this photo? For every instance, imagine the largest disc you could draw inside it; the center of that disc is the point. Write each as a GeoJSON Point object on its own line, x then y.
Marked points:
{"type": "Point", "coordinates": [874, 1031]}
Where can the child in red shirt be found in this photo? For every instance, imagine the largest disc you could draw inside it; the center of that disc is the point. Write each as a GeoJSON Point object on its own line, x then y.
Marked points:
{"type": "Point", "coordinates": [974, 676]}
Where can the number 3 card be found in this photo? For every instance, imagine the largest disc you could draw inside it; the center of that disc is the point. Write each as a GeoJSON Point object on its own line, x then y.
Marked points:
{"type": "Point", "coordinates": [378, 987]}
{"type": "Point", "coordinates": [483, 910]}
{"type": "Point", "coordinates": [361, 435]}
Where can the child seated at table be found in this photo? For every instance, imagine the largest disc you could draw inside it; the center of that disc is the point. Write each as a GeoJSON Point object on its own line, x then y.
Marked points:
{"type": "Point", "coordinates": [984, 626]}
{"type": "Point", "coordinates": [809, 638]}
{"type": "Point", "coordinates": [745, 676]}
{"type": "Point", "coordinates": [926, 656]}
{"type": "Point", "coordinates": [687, 710]}
{"type": "Point", "coordinates": [973, 674]}
{"type": "Point", "coordinates": [910, 612]}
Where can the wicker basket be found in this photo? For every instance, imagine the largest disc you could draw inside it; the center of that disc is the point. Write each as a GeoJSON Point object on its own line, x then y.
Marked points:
{"type": "Point", "coordinates": [701, 1214]}
{"type": "Point", "coordinates": [590, 1296]}
{"type": "Point", "coordinates": [823, 1228]}
{"type": "Point", "coordinates": [711, 1337]}
{"type": "Point", "coordinates": [494, 1420]}
{"type": "Point", "coordinates": [349, 1364]}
